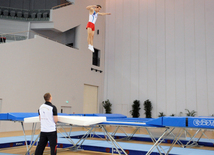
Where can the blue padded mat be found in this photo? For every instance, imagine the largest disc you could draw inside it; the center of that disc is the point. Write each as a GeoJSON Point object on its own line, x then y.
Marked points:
{"type": "Point", "coordinates": [174, 121]}
{"type": "Point", "coordinates": [104, 146]}
{"type": "Point", "coordinates": [190, 122]}
{"type": "Point", "coordinates": [133, 149]}
{"type": "Point", "coordinates": [141, 122]}
{"type": "Point", "coordinates": [201, 122]}
{"type": "Point", "coordinates": [19, 116]}
{"type": "Point", "coordinates": [119, 119]}
{"type": "Point", "coordinates": [3, 116]}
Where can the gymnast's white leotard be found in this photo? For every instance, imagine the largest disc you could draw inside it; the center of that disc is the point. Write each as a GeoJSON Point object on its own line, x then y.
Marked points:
{"type": "Point", "coordinates": [93, 17]}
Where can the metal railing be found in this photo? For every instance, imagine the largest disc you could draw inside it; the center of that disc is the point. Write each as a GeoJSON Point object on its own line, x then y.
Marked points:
{"type": "Point", "coordinates": [23, 14]}
{"type": "Point", "coordinates": [18, 36]}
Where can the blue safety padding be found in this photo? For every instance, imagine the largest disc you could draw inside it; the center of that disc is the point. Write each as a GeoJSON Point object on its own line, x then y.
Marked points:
{"type": "Point", "coordinates": [20, 116]}
{"type": "Point", "coordinates": [201, 122]}
{"type": "Point", "coordinates": [82, 115]}
{"type": "Point", "coordinates": [87, 114]}
{"type": "Point", "coordinates": [130, 119]}
{"type": "Point", "coordinates": [111, 115]}
{"type": "Point", "coordinates": [156, 121]}
{"type": "Point", "coordinates": [121, 123]}
{"type": "Point", "coordinates": [150, 122]}
{"type": "Point", "coordinates": [3, 116]}
{"type": "Point", "coordinates": [174, 121]}
{"type": "Point", "coordinates": [63, 114]}
{"type": "Point", "coordinates": [76, 114]}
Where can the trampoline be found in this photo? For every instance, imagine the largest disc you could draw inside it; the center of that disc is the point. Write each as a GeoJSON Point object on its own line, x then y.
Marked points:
{"type": "Point", "coordinates": [169, 124]}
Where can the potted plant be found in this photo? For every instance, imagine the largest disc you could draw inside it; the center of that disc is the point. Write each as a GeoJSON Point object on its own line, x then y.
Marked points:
{"type": "Point", "coordinates": [191, 113]}
{"type": "Point", "coordinates": [135, 109]}
{"type": "Point", "coordinates": [148, 109]}
{"type": "Point", "coordinates": [161, 114]}
{"type": "Point", "coordinates": [107, 106]}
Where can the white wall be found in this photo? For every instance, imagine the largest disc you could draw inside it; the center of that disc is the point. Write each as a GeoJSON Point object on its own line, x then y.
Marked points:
{"type": "Point", "coordinates": [160, 50]}
{"type": "Point", "coordinates": [33, 67]}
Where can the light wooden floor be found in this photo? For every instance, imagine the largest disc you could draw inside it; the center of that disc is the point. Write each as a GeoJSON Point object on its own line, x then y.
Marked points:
{"type": "Point", "coordinates": [22, 149]}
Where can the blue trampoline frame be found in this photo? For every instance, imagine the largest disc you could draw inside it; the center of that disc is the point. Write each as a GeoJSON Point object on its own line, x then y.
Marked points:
{"type": "Point", "coordinates": [168, 123]}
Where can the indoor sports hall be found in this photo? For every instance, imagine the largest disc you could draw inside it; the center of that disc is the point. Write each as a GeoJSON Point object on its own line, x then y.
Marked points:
{"type": "Point", "coordinates": [131, 77]}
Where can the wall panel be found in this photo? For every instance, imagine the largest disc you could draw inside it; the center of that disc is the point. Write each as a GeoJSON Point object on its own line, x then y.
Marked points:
{"type": "Point", "coordinates": [51, 3]}
{"type": "Point", "coordinates": [134, 49]}
{"type": "Point", "coordinates": [26, 4]}
{"type": "Point", "coordinates": [143, 53]}
{"type": "Point", "coordinates": [167, 54]}
{"type": "Point", "coordinates": [190, 55]}
{"type": "Point", "coordinates": [110, 54]}
{"type": "Point", "coordinates": [152, 53]}
{"type": "Point", "coordinates": [118, 52]}
{"type": "Point", "coordinates": [5, 3]}
{"type": "Point", "coordinates": [161, 57]}
{"type": "Point", "coordinates": [126, 54]}
{"type": "Point", "coordinates": [107, 37]}
{"type": "Point", "coordinates": [209, 33]}
{"type": "Point", "coordinates": [200, 51]}
{"type": "Point", "coordinates": [16, 4]}
{"type": "Point", "coordinates": [180, 80]}
{"type": "Point", "coordinates": [39, 4]}
{"type": "Point", "coordinates": [170, 56]}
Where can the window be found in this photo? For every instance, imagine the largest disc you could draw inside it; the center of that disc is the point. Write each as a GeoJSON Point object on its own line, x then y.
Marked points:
{"type": "Point", "coordinates": [96, 57]}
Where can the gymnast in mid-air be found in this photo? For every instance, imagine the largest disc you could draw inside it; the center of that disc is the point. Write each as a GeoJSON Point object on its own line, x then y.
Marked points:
{"type": "Point", "coordinates": [94, 11]}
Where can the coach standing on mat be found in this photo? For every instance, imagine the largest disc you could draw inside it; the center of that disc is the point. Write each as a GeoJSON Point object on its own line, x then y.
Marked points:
{"type": "Point", "coordinates": [48, 118]}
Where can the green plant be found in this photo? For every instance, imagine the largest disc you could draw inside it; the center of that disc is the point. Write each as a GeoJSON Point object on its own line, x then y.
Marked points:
{"type": "Point", "coordinates": [107, 105]}
{"type": "Point", "coordinates": [148, 109]}
{"type": "Point", "coordinates": [191, 113]}
{"type": "Point", "coordinates": [161, 114]}
{"type": "Point", "coordinates": [135, 109]}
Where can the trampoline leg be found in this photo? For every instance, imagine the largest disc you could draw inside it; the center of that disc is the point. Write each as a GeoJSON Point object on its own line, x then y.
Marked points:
{"type": "Point", "coordinates": [175, 140]}
{"type": "Point", "coordinates": [192, 138]}
{"type": "Point", "coordinates": [133, 133]}
{"type": "Point", "coordinates": [24, 136]}
{"type": "Point", "coordinates": [114, 142]}
{"type": "Point", "coordinates": [157, 143]}
{"type": "Point", "coordinates": [69, 139]}
{"type": "Point", "coordinates": [32, 145]}
{"type": "Point", "coordinates": [154, 140]}
{"type": "Point", "coordinates": [179, 142]}
{"type": "Point", "coordinates": [84, 137]}
{"type": "Point", "coordinates": [115, 131]}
